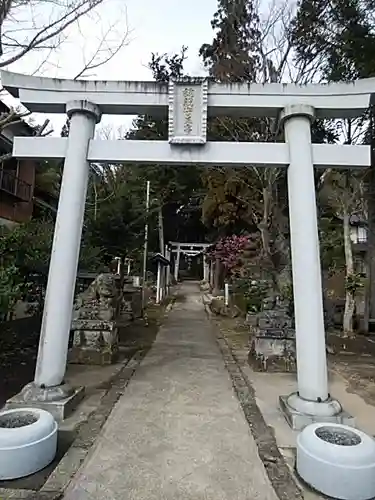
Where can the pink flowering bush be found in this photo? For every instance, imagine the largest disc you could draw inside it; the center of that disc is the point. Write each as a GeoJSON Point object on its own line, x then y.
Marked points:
{"type": "Point", "coordinates": [229, 251]}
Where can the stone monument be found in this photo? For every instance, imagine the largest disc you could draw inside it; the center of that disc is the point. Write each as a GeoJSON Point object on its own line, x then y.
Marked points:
{"type": "Point", "coordinates": [94, 323]}
{"type": "Point", "coordinates": [272, 343]}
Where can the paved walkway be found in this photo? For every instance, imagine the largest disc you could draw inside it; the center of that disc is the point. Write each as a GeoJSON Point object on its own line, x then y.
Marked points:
{"type": "Point", "coordinates": [178, 432]}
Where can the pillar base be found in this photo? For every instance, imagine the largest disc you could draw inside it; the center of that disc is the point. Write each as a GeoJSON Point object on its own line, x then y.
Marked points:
{"type": "Point", "coordinates": [300, 412]}
{"type": "Point", "coordinates": [60, 400]}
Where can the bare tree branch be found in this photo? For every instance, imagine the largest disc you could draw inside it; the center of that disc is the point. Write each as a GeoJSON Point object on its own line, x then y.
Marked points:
{"type": "Point", "coordinates": [33, 26]}
{"type": "Point", "coordinates": [63, 14]}
{"type": "Point", "coordinates": [106, 49]}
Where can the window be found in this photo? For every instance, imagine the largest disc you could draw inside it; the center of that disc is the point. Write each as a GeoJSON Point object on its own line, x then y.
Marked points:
{"type": "Point", "coordinates": [10, 182]}
{"type": "Point", "coordinates": [358, 234]}
{"type": "Point", "coordinates": [362, 235]}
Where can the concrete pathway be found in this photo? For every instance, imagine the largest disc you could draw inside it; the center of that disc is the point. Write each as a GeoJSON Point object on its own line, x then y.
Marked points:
{"type": "Point", "coordinates": [178, 432]}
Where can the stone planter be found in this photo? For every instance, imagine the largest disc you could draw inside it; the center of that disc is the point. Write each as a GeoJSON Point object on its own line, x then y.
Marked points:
{"type": "Point", "coordinates": [337, 460]}
{"type": "Point", "coordinates": [28, 442]}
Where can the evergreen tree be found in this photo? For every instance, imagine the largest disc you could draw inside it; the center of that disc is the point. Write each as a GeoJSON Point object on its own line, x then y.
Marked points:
{"type": "Point", "coordinates": [177, 189]}
{"type": "Point", "coordinates": [335, 39]}
{"type": "Point", "coordinates": [233, 55]}
{"type": "Point", "coordinates": [245, 198]}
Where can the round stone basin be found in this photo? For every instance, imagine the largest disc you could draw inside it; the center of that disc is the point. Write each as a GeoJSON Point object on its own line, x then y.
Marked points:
{"type": "Point", "coordinates": [28, 442]}
{"type": "Point", "coordinates": [337, 460]}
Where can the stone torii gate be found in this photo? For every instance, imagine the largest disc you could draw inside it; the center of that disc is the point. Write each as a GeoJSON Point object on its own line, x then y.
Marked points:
{"type": "Point", "coordinates": [188, 103]}
{"type": "Point", "coordinates": [190, 249]}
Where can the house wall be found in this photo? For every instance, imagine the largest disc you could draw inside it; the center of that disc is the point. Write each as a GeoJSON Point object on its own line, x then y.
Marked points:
{"type": "Point", "coordinates": [12, 210]}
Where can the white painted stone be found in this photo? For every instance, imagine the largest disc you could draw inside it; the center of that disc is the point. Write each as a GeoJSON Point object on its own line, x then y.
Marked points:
{"type": "Point", "coordinates": [304, 239]}
{"type": "Point", "coordinates": [57, 314]}
{"type": "Point", "coordinates": [294, 102]}
{"type": "Point", "coordinates": [26, 449]}
{"type": "Point", "coordinates": [226, 294]}
{"type": "Point", "coordinates": [188, 111]}
{"type": "Point", "coordinates": [136, 281]}
{"type": "Point", "coordinates": [50, 95]}
{"type": "Point", "coordinates": [340, 471]}
{"type": "Point", "coordinates": [212, 153]}
{"type": "Point", "coordinates": [192, 250]}
{"type": "Point", "coordinates": [158, 285]}
{"type": "Point", "coordinates": [177, 264]}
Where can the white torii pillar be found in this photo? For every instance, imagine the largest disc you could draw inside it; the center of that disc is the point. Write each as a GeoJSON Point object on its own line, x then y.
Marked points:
{"type": "Point", "coordinates": [312, 397]}
{"type": "Point", "coordinates": [168, 268]}
{"type": "Point", "coordinates": [48, 385]}
{"type": "Point", "coordinates": [159, 292]}
{"type": "Point", "coordinates": [177, 264]}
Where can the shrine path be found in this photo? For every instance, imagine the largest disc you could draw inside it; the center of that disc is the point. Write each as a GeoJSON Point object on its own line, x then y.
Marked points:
{"type": "Point", "coordinates": [178, 431]}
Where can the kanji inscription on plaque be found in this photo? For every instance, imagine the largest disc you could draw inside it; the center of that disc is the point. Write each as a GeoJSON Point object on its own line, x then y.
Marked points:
{"type": "Point", "coordinates": [188, 111]}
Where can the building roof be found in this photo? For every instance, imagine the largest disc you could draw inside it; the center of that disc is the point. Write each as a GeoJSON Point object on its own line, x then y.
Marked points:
{"type": "Point", "coordinates": [158, 257]}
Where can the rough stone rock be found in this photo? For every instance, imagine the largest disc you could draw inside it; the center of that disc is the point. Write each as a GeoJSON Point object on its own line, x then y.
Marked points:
{"type": "Point", "coordinates": [217, 305]}
{"type": "Point", "coordinates": [204, 286]}
{"type": "Point", "coordinates": [219, 308]}
{"type": "Point", "coordinates": [251, 319]}
{"type": "Point", "coordinates": [234, 311]}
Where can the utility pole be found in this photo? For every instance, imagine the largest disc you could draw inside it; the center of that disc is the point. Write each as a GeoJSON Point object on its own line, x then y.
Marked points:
{"type": "Point", "coordinates": [145, 246]}
{"type": "Point", "coordinates": [161, 229]}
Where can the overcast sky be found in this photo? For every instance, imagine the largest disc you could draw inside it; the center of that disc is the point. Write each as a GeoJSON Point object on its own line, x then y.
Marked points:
{"type": "Point", "coordinates": [154, 26]}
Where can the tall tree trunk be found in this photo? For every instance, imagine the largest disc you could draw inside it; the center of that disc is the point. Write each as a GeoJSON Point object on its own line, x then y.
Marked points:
{"type": "Point", "coordinates": [265, 234]}
{"type": "Point", "coordinates": [263, 224]}
{"type": "Point", "coordinates": [349, 298]}
{"type": "Point", "coordinates": [217, 271]}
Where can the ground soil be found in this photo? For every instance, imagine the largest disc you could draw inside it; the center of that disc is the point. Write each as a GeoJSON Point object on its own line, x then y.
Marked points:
{"type": "Point", "coordinates": [19, 344]}
{"type": "Point", "coordinates": [360, 345]}
{"type": "Point", "coordinates": [354, 359]}
{"type": "Point", "coordinates": [19, 341]}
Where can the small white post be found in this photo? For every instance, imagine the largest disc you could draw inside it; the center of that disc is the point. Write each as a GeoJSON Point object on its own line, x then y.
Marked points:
{"type": "Point", "coordinates": [158, 282]}
{"type": "Point", "coordinates": [57, 315]}
{"type": "Point", "coordinates": [226, 294]}
{"type": "Point", "coordinates": [128, 268]}
{"type": "Point", "coordinates": [177, 263]}
{"type": "Point", "coordinates": [118, 259]}
{"type": "Point", "coordinates": [312, 397]}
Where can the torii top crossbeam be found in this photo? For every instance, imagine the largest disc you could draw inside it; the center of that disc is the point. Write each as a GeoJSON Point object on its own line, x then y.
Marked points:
{"type": "Point", "coordinates": [50, 95]}
{"type": "Point", "coordinates": [189, 249]}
